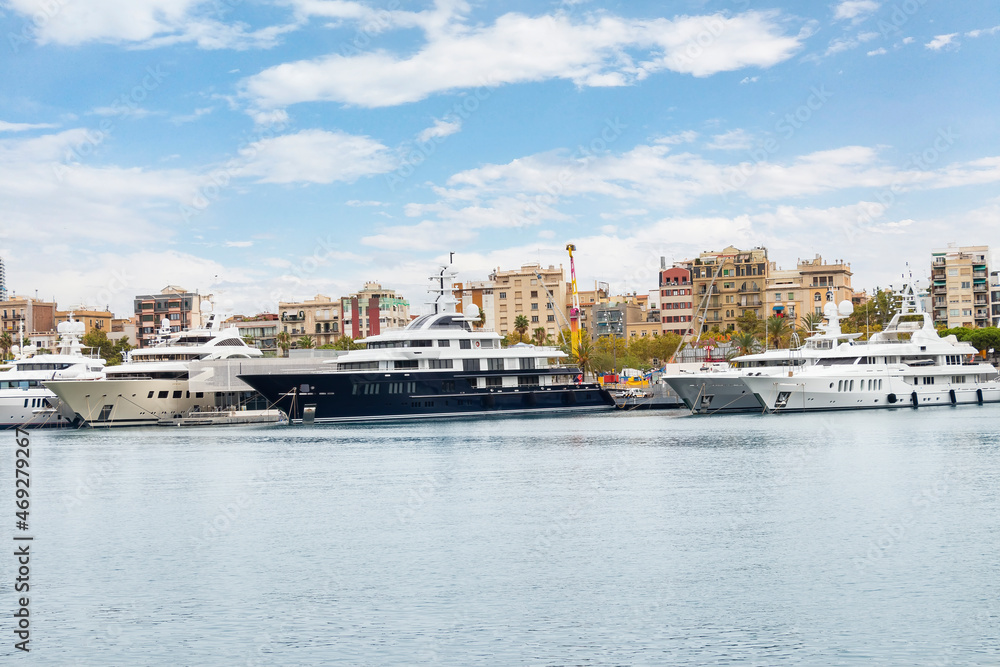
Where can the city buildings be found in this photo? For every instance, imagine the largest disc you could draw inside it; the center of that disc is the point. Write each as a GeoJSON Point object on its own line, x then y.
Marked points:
{"type": "Point", "coordinates": [180, 307]}
{"type": "Point", "coordinates": [320, 318]}
{"type": "Point", "coordinates": [92, 319]}
{"type": "Point", "coordinates": [726, 285]}
{"type": "Point", "coordinates": [260, 330]}
{"type": "Point", "coordinates": [3, 281]}
{"type": "Point", "coordinates": [676, 300]}
{"type": "Point", "coordinates": [795, 293]}
{"type": "Point", "coordinates": [480, 294]}
{"type": "Point", "coordinates": [373, 310]}
{"type": "Point", "coordinates": [960, 292]}
{"type": "Point", "coordinates": [29, 315]}
{"type": "Point", "coordinates": [526, 291]}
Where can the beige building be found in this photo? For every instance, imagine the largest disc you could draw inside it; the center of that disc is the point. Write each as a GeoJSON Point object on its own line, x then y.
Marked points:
{"type": "Point", "coordinates": [480, 294]}
{"type": "Point", "coordinates": [676, 300]}
{"type": "Point", "coordinates": [726, 285]}
{"type": "Point", "coordinates": [36, 317]}
{"type": "Point", "coordinates": [588, 299]}
{"type": "Point", "coordinates": [320, 318]}
{"type": "Point", "coordinates": [92, 319]}
{"type": "Point", "coordinates": [960, 293]}
{"type": "Point", "coordinates": [181, 308]}
{"type": "Point", "coordinates": [377, 309]}
{"type": "Point", "coordinates": [794, 293]}
{"type": "Point", "coordinates": [521, 292]}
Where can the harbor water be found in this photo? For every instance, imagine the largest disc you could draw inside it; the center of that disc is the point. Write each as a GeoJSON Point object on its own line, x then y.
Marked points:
{"type": "Point", "coordinates": [624, 538]}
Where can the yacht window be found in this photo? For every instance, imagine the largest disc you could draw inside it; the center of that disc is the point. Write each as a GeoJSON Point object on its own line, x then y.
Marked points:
{"type": "Point", "coordinates": [444, 343]}
{"type": "Point", "coordinates": [494, 364]}
{"type": "Point", "coordinates": [439, 363]}
{"type": "Point", "coordinates": [494, 382]}
{"type": "Point", "coordinates": [150, 395]}
{"type": "Point", "coordinates": [465, 344]}
{"type": "Point", "coordinates": [177, 394]}
{"type": "Point", "coordinates": [421, 343]}
{"type": "Point", "coordinates": [411, 387]}
{"type": "Point", "coordinates": [470, 364]}
{"type": "Point", "coordinates": [408, 363]}
{"type": "Point", "coordinates": [162, 394]}
{"type": "Point", "coordinates": [527, 380]}
{"type": "Point", "coordinates": [447, 386]}
{"type": "Point", "coordinates": [852, 385]}
{"type": "Point", "coordinates": [527, 364]}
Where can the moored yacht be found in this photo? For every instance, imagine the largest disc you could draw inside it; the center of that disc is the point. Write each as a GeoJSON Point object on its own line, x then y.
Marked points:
{"type": "Point", "coordinates": [905, 364]}
{"type": "Point", "coordinates": [153, 387]}
{"type": "Point", "coordinates": [437, 366]}
{"type": "Point", "coordinates": [25, 402]}
{"type": "Point", "coordinates": [714, 390]}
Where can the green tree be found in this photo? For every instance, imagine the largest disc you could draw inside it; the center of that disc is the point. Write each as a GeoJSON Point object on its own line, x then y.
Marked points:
{"type": "Point", "coordinates": [249, 340]}
{"type": "Point", "coordinates": [521, 325]}
{"type": "Point", "coordinates": [111, 351]}
{"type": "Point", "coordinates": [748, 322]}
{"type": "Point", "coordinates": [347, 343]}
{"type": "Point", "coordinates": [6, 342]}
{"type": "Point", "coordinates": [538, 334]}
{"type": "Point", "coordinates": [305, 343]}
{"type": "Point", "coordinates": [284, 341]}
{"type": "Point", "coordinates": [777, 329]}
{"type": "Point", "coordinates": [745, 343]}
{"type": "Point", "coordinates": [583, 355]}
{"type": "Point", "coordinates": [810, 322]}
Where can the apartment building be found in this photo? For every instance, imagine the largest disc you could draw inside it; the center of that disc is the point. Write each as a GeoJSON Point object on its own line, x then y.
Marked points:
{"type": "Point", "coordinates": [588, 299]}
{"type": "Point", "coordinates": [480, 294]}
{"type": "Point", "coordinates": [960, 291]}
{"type": "Point", "coordinates": [29, 315]}
{"type": "Point", "coordinates": [526, 291]}
{"type": "Point", "coordinates": [92, 319]}
{"type": "Point", "coordinates": [676, 300]}
{"type": "Point", "coordinates": [727, 284]}
{"type": "Point", "coordinates": [372, 310]}
{"type": "Point", "coordinates": [784, 296]}
{"type": "Point", "coordinates": [319, 318]}
{"type": "Point", "coordinates": [262, 329]}
{"type": "Point", "coordinates": [180, 307]}
{"type": "Point", "coordinates": [794, 293]}
{"type": "Point", "coordinates": [3, 281]}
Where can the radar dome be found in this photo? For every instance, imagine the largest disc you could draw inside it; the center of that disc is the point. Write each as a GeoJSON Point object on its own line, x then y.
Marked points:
{"type": "Point", "coordinates": [830, 309]}
{"type": "Point", "coordinates": [207, 306]}
{"type": "Point", "coordinates": [165, 323]}
{"type": "Point", "coordinates": [472, 312]}
{"type": "Point", "coordinates": [846, 308]}
{"type": "Point", "coordinates": [71, 328]}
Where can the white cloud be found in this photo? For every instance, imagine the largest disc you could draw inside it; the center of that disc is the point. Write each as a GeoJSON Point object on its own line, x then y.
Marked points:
{"type": "Point", "coordinates": [731, 141]}
{"type": "Point", "coordinates": [846, 43]}
{"type": "Point", "coordinates": [239, 244]}
{"type": "Point", "coordinates": [188, 118]}
{"type": "Point", "coordinates": [142, 23]}
{"type": "Point", "coordinates": [878, 52]}
{"type": "Point", "coordinates": [440, 129]}
{"type": "Point", "coordinates": [854, 9]}
{"type": "Point", "coordinates": [749, 79]}
{"type": "Point", "coordinates": [941, 41]}
{"type": "Point", "coordinates": [315, 156]}
{"type": "Point", "coordinates": [24, 127]}
{"type": "Point", "coordinates": [597, 51]}
{"type": "Point", "coordinates": [979, 33]}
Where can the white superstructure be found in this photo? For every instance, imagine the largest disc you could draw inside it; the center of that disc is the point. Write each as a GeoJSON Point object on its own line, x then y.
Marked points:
{"type": "Point", "coordinates": [907, 363]}
{"type": "Point", "coordinates": [152, 385]}
{"type": "Point", "coordinates": [24, 401]}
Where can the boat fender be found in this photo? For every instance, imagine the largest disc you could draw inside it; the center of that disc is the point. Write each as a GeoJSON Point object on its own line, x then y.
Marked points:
{"type": "Point", "coordinates": [914, 399]}
{"type": "Point", "coordinates": [951, 395]}
{"type": "Point", "coordinates": [891, 398]}
{"type": "Point", "coordinates": [979, 396]}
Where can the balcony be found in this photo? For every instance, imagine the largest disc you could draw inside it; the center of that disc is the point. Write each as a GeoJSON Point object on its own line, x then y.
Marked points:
{"type": "Point", "coordinates": [979, 288]}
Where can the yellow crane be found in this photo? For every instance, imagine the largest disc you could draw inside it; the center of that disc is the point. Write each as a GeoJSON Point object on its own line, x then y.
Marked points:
{"type": "Point", "coordinates": [574, 311]}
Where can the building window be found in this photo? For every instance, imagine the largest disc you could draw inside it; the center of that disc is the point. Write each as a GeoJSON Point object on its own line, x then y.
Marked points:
{"type": "Point", "coordinates": [534, 318]}
{"type": "Point", "coordinates": [550, 318]}
{"type": "Point", "coordinates": [966, 284]}
{"type": "Point", "coordinates": [503, 295]}
{"type": "Point", "coordinates": [534, 293]}
{"type": "Point", "coordinates": [534, 306]}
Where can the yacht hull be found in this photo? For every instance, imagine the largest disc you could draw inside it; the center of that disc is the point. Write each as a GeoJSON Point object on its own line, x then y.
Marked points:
{"type": "Point", "coordinates": [334, 398]}
{"type": "Point", "coordinates": [798, 394]}
{"type": "Point", "coordinates": [713, 393]}
{"type": "Point", "coordinates": [131, 402]}
{"type": "Point", "coordinates": [33, 408]}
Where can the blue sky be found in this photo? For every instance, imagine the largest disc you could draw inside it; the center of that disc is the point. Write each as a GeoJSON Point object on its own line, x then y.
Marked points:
{"type": "Point", "coordinates": [276, 150]}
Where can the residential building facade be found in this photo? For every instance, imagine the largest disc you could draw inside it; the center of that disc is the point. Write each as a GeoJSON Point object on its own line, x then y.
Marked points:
{"type": "Point", "coordinates": [36, 317]}
{"type": "Point", "coordinates": [480, 294]}
{"type": "Point", "coordinates": [372, 310]}
{"type": "Point", "coordinates": [676, 300]}
{"type": "Point", "coordinates": [261, 329]}
{"type": "Point", "coordinates": [526, 291]}
{"type": "Point", "coordinates": [726, 285]}
{"type": "Point", "coordinates": [93, 319]}
{"type": "Point", "coordinates": [821, 280]}
{"type": "Point", "coordinates": [960, 291]}
{"type": "Point", "coordinates": [320, 318]}
{"type": "Point", "coordinates": [180, 307]}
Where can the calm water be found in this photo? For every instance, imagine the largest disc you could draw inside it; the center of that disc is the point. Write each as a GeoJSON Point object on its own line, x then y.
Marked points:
{"type": "Point", "coordinates": [625, 539]}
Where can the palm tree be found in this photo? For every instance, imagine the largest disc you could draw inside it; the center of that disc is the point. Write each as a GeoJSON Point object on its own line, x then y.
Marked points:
{"type": "Point", "coordinates": [521, 326]}
{"type": "Point", "coordinates": [306, 343]}
{"type": "Point", "coordinates": [6, 342]}
{"type": "Point", "coordinates": [584, 354]}
{"type": "Point", "coordinates": [284, 341]}
{"type": "Point", "coordinates": [777, 329]}
{"type": "Point", "coordinates": [538, 333]}
{"type": "Point", "coordinates": [746, 343]}
{"type": "Point", "coordinates": [249, 340]}
{"type": "Point", "coordinates": [810, 322]}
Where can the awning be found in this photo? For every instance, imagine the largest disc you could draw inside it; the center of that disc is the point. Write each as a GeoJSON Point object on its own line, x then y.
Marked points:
{"type": "Point", "coordinates": [779, 307]}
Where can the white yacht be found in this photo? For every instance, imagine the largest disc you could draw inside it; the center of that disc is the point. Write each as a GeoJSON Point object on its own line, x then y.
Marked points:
{"type": "Point", "coordinates": [720, 390]}
{"type": "Point", "coordinates": [438, 366]}
{"type": "Point", "coordinates": [152, 386]}
{"type": "Point", "coordinates": [905, 364]}
{"type": "Point", "coordinates": [24, 401]}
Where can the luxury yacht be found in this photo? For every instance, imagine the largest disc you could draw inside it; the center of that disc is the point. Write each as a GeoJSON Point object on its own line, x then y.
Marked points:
{"type": "Point", "coordinates": [437, 366]}
{"type": "Point", "coordinates": [905, 364]}
{"type": "Point", "coordinates": [152, 387]}
{"type": "Point", "coordinates": [25, 402]}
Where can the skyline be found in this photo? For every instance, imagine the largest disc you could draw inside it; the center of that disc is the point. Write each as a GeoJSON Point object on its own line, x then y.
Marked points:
{"type": "Point", "coordinates": [275, 150]}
